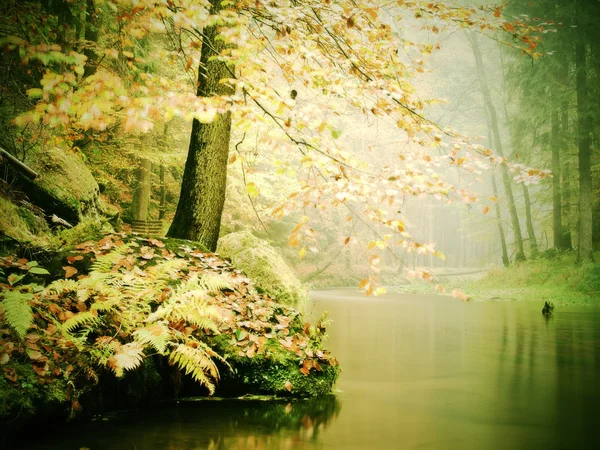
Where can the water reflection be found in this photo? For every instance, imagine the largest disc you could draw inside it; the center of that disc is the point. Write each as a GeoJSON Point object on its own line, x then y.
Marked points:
{"type": "Point", "coordinates": [206, 425]}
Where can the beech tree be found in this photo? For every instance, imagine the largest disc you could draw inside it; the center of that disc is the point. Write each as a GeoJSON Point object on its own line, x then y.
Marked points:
{"type": "Point", "coordinates": [294, 67]}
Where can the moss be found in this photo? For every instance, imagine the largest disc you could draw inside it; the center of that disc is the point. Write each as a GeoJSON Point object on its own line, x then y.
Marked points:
{"type": "Point", "coordinates": [65, 184]}
{"type": "Point", "coordinates": [88, 229]}
{"type": "Point", "coordinates": [30, 395]}
{"type": "Point", "coordinates": [264, 265]}
{"type": "Point", "coordinates": [22, 224]}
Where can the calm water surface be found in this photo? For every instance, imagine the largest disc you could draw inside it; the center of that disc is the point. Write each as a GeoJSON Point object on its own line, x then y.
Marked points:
{"type": "Point", "coordinates": [419, 372]}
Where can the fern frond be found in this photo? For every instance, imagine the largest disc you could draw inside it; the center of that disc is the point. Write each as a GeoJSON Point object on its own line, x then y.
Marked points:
{"type": "Point", "coordinates": [127, 357]}
{"type": "Point", "coordinates": [80, 319]}
{"type": "Point", "coordinates": [104, 263]}
{"type": "Point", "coordinates": [196, 362]}
{"type": "Point", "coordinates": [165, 271]}
{"type": "Point", "coordinates": [61, 286]}
{"type": "Point", "coordinates": [191, 309]}
{"type": "Point", "coordinates": [156, 335]}
{"type": "Point", "coordinates": [105, 306]}
{"type": "Point", "coordinates": [214, 282]}
{"type": "Point", "coordinates": [17, 311]}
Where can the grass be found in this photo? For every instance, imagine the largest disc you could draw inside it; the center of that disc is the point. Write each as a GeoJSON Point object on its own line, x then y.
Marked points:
{"type": "Point", "coordinates": [555, 277]}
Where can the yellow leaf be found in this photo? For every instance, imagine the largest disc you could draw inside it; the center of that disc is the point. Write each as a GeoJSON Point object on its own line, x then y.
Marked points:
{"type": "Point", "coordinates": [302, 252]}
{"type": "Point", "coordinates": [251, 189]}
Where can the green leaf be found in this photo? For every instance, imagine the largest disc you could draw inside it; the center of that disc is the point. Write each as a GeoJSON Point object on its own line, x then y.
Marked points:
{"type": "Point", "coordinates": [335, 133]}
{"type": "Point", "coordinates": [240, 334]}
{"type": "Point", "coordinates": [15, 278]}
{"type": "Point", "coordinates": [39, 271]}
{"type": "Point", "coordinates": [32, 264]}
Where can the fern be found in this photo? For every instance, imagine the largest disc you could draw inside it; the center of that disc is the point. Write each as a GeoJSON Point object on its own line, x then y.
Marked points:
{"type": "Point", "coordinates": [214, 282]}
{"type": "Point", "coordinates": [61, 286]}
{"type": "Point", "coordinates": [80, 319]}
{"type": "Point", "coordinates": [157, 335]}
{"type": "Point", "coordinates": [127, 357]}
{"type": "Point", "coordinates": [17, 311]}
{"type": "Point", "coordinates": [197, 362]}
{"type": "Point", "coordinates": [105, 263]}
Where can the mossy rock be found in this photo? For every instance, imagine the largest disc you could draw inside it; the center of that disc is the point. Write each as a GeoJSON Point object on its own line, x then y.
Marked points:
{"type": "Point", "coordinates": [22, 224]}
{"type": "Point", "coordinates": [262, 375]}
{"type": "Point", "coordinates": [264, 265]}
{"type": "Point", "coordinates": [65, 186]}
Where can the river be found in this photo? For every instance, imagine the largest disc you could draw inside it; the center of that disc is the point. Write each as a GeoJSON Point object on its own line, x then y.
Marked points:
{"type": "Point", "coordinates": [419, 372]}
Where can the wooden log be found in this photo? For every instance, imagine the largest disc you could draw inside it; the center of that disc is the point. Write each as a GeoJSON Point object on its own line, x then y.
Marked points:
{"type": "Point", "coordinates": [18, 164]}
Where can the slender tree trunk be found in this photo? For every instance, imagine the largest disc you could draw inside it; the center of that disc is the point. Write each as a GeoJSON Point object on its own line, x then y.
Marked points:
{"type": "Point", "coordinates": [163, 193]}
{"type": "Point", "coordinates": [142, 191]}
{"type": "Point", "coordinates": [198, 215]}
{"type": "Point", "coordinates": [91, 36]}
{"type": "Point", "coordinates": [506, 179]}
{"type": "Point", "coordinates": [557, 227]}
{"type": "Point", "coordinates": [505, 259]}
{"type": "Point", "coordinates": [584, 248]}
{"type": "Point", "coordinates": [533, 247]}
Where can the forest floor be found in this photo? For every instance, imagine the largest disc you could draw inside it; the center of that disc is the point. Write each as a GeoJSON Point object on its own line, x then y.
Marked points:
{"type": "Point", "coordinates": [558, 279]}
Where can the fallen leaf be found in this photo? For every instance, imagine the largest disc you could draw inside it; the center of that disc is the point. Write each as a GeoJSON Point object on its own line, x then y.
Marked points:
{"type": "Point", "coordinates": [69, 271]}
{"type": "Point", "coordinates": [10, 374]}
{"type": "Point", "coordinates": [34, 354]}
{"type": "Point", "coordinates": [288, 387]}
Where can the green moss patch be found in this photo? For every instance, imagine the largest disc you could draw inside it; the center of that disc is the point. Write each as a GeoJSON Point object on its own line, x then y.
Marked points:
{"type": "Point", "coordinates": [264, 265]}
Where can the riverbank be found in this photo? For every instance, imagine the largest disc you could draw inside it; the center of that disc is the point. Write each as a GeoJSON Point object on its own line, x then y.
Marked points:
{"type": "Point", "coordinates": [556, 278]}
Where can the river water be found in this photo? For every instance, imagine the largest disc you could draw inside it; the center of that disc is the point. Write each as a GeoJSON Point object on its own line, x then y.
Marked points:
{"type": "Point", "coordinates": [419, 372]}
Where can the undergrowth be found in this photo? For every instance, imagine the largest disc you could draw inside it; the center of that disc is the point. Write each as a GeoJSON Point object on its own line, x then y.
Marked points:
{"type": "Point", "coordinates": [123, 300]}
{"type": "Point", "coordinates": [557, 278]}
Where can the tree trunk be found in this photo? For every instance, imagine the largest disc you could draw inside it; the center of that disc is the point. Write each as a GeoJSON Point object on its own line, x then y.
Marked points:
{"type": "Point", "coordinates": [557, 227]}
{"type": "Point", "coordinates": [198, 215]}
{"type": "Point", "coordinates": [91, 36]}
{"type": "Point", "coordinates": [142, 191]}
{"type": "Point", "coordinates": [505, 259]}
{"type": "Point", "coordinates": [584, 248]}
{"type": "Point", "coordinates": [163, 193]}
{"type": "Point", "coordinates": [529, 222]}
{"type": "Point", "coordinates": [493, 117]}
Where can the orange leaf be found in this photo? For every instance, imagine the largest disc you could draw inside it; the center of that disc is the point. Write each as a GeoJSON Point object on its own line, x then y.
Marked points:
{"type": "Point", "coordinates": [508, 26]}
{"type": "Point", "coordinates": [486, 210]}
{"type": "Point", "coordinates": [69, 271]}
{"type": "Point", "coordinates": [347, 240]}
{"type": "Point", "coordinates": [288, 386]}
{"type": "Point", "coordinates": [497, 12]}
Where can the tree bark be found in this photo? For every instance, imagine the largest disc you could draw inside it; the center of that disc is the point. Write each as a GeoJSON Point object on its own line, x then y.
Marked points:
{"type": "Point", "coordinates": [584, 247]}
{"type": "Point", "coordinates": [91, 36]}
{"type": "Point", "coordinates": [142, 191]}
{"type": "Point", "coordinates": [533, 247]}
{"type": "Point", "coordinates": [505, 259]}
{"type": "Point", "coordinates": [163, 193]}
{"type": "Point", "coordinates": [198, 215]}
{"type": "Point", "coordinates": [493, 117]}
{"type": "Point", "coordinates": [557, 227]}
